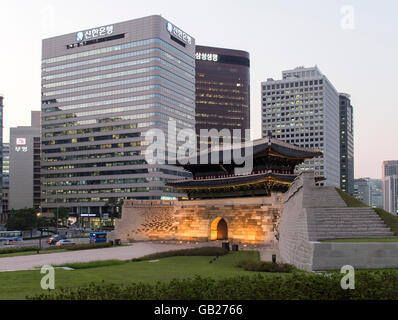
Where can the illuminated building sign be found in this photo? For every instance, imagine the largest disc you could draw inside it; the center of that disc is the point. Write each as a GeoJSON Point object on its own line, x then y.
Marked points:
{"type": "Point", "coordinates": [21, 141]}
{"type": "Point", "coordinates": [181, 35]}
{"type": "Point", "coordinates": [21, 145]}
{"type": "Point", "coordinates": [94, 33]}
{"type": "Point", "coordinates": [207, 56]}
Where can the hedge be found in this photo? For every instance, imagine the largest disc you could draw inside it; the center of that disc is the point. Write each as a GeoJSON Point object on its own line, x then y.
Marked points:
{"type": "Point", "coordinates": [203, 252]}
{"type": "Point", "coordinates": [370, 285]}
{"type": "Point", "coordinates": [265, 266]}
{"type": "Point", "coordinates": [86, 246]}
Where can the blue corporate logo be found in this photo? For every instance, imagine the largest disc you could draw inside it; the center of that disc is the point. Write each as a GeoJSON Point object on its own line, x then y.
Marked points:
{"type": "Point", "coordinates": [169, 27]}
{"type": "Point", "coordinates": [80, 36]}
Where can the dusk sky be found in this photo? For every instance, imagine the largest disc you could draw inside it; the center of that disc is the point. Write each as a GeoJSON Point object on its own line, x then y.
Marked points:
{"type": "Point", "coordinates": [357, 52]}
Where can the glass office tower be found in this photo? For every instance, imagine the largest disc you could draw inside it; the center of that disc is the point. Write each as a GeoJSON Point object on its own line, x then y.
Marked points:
{"type": "Point", "coordinates": [222, 89]}
{"type": "Point", "coordinates": [102, 89]}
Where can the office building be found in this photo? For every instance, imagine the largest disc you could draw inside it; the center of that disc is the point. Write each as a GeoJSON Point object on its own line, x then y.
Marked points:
{"type": "Point", "coordinates": [102, 89]}
{"type": "Point", "coordinates": [24, 166]}
{"type": "Point", "coordinates": [222, 89]}
{"type": "Point", "coordinates": [390, 188]}
{"type": "Point", "coordinates": [303, 109]}
{"type": "Point", "coordinates": [369, 191]}
{"type": "Point", "coordinates": [5, 181]}
{"type": "Point", "coordinates": [389, 168]}
{"type": "Point", "coordinates": [346, 144]}
{"type": "Point", "coordinates": [1, 152]}
{"type": "Point", "coordinates": [390, 185]}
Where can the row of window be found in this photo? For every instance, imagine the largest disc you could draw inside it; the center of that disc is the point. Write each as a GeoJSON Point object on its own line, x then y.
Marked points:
{"type": "Point", "coordinates": [90, 156]}
{"type": "Point", "coordinates": [111, 84]}
{"type": "Point", "coordinates": [107, 76]}
{"type": "Point", "coordinates": [292, 84]}
{"type": "Point", "coordinates": [123, 100]}
{"type": "Point", "coordinates": [119, 47]}
{"type": "Point", "coordinates": [125, 91]}
{"type": "Point", "coordinates": [107, 67]}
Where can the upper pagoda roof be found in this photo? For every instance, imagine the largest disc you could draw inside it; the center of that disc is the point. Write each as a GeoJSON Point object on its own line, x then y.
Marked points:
{"type": "Point", "coordinates": [262, 149]}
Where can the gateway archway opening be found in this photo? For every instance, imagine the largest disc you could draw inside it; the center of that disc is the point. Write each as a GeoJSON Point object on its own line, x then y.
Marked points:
{"type": "Point", "coordinates": [219, 230]}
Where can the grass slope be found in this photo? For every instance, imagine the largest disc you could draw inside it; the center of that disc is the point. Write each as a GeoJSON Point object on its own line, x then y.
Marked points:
{"type": "Point", "coordinates": [350, 200]}
{"type": "Point", "coordinates": [390, 220]}
{"type": "Point", "coordinates": [19, 284]}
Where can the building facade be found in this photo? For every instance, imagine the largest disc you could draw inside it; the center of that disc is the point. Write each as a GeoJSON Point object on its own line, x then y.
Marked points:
{"type": "Point", "coordinates": [5, 181]}
{"type": "Point", "coordinates": [222, 90]}
{"type": "Point", "coordinates": [369, 191]}
{"type": "Point", "coordinates": [346, 144]}
{"type": "Point", "coordinates": [1, 152]}
{"type": "Point", "coordinates": [303, 109]}
{"type": "Point", "coordinates": [390, 188]}
{"type": "Point", "coordinates": [390, 185]}
{"type": "Point", "coordinates": [102, 89]}
{"type": "Point", "coordinates": [24, 166]}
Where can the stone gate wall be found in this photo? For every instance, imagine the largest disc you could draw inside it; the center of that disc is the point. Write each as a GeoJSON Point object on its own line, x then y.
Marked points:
{"type": "Point", "coordinates": [249, 220]}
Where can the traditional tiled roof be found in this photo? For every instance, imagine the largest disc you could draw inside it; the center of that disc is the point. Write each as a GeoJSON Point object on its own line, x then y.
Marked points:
{"type": "Point", "coordinates": [223, 182]}
{"type": "Point", "coordinates": [261, 149]}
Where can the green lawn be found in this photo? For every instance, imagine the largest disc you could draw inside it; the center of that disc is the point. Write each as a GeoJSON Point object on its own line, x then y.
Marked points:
{"type": "Point", "coordinates": [19, 284]}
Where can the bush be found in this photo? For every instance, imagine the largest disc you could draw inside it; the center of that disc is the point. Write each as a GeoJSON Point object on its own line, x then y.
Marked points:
{"type": "Point", "coordinates": [370, 285]}
{"type": "Point", "coordinates": [93, 264]}
{"type": "Point", "coordinates": [203, 252]}
{"type": "Point", "coordinates": [86, 246]}
{"type": "Point", "coordinates": [263, 266]}
{"type": "Point", "coordinates": [15, 250]}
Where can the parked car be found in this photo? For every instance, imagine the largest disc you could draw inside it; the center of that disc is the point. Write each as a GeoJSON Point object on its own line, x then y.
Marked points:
{"type": "Point", "coordinates": [54, 239]}
{"type": "Point", "coordinates": [65, 242]}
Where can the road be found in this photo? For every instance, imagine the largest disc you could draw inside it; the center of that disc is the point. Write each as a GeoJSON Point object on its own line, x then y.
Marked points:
{"type": "Point", "coordinates": [136, 250]}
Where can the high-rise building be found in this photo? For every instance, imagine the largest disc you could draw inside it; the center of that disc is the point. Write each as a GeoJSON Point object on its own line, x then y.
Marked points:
{"type": "Point", "coordinates": [346, 144]}
{"type": "Point", "coordinates": [24, 166]}
{"type": "Point", "coordinates": [390, 188]}
{"type": "Point", "coordinates": [222, 89]}
{"type": "Point", "coordinates": [389, 168]}
{"type": "Point", "coordinates": [5, 181]}
{"type": "Point", "coordinates": [303, 109]}
{"type": "Point", "coordinates": [1, 152]}
{"type": "Point", "coordinates": [390, 185]}
{"type": "Point", "coordinates": [369, 191]}
{"type": "Point", "coordinates": [102, 89]}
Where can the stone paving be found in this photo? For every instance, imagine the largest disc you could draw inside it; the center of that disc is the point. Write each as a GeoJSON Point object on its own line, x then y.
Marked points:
{"type": "Point", "coordinates": [135, 250]}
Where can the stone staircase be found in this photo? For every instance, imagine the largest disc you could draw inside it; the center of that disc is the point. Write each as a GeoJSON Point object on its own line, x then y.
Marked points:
{"type": "Point", "coordinates": [345, 223]}
{"type": "Point", "coordinates": [323, 197]}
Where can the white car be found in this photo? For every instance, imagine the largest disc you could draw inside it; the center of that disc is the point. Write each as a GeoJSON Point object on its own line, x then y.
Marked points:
{"type": "Point", "coordinates": [65, 242]}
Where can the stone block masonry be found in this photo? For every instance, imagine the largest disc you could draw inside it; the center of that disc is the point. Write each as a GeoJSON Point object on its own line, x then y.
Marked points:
{"type": "Point", "coordinates": [248, 220]}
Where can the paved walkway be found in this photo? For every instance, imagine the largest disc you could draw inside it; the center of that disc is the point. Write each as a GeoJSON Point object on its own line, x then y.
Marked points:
{"type": "Point", "coordinates": [135, 250]}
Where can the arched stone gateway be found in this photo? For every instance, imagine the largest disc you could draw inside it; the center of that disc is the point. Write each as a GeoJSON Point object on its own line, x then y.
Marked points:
{"type": "Point", "coordinates": [219, 229]}
{"type": "Point", "coordinates": [244, 220]}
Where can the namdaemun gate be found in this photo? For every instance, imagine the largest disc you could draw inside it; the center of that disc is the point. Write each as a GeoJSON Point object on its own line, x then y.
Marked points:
{"type": "Point", "coordinates": [218, 204]}
{"type": "Point", "coordinates": [270, 204]}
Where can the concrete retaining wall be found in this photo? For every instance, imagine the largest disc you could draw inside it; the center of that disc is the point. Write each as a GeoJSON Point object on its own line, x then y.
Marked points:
{"type": "Point", "coordinates": [333, 256]}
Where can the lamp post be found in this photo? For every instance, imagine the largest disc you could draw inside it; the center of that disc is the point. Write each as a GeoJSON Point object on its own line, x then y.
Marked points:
{"type": "Point", "coordinates": [41, 232]}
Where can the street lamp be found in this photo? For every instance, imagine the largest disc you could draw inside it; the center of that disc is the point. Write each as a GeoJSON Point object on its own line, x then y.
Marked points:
{"type": "Point", "coordinates": [41, 232]}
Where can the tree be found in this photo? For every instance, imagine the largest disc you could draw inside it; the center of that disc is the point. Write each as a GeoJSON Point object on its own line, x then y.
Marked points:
{"type": "Point", "coordinates": [63, 215]}
{"type": "Point", "coordinates": [23, 220]}
{"type": "Point", "coordinates": [113, 206]}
